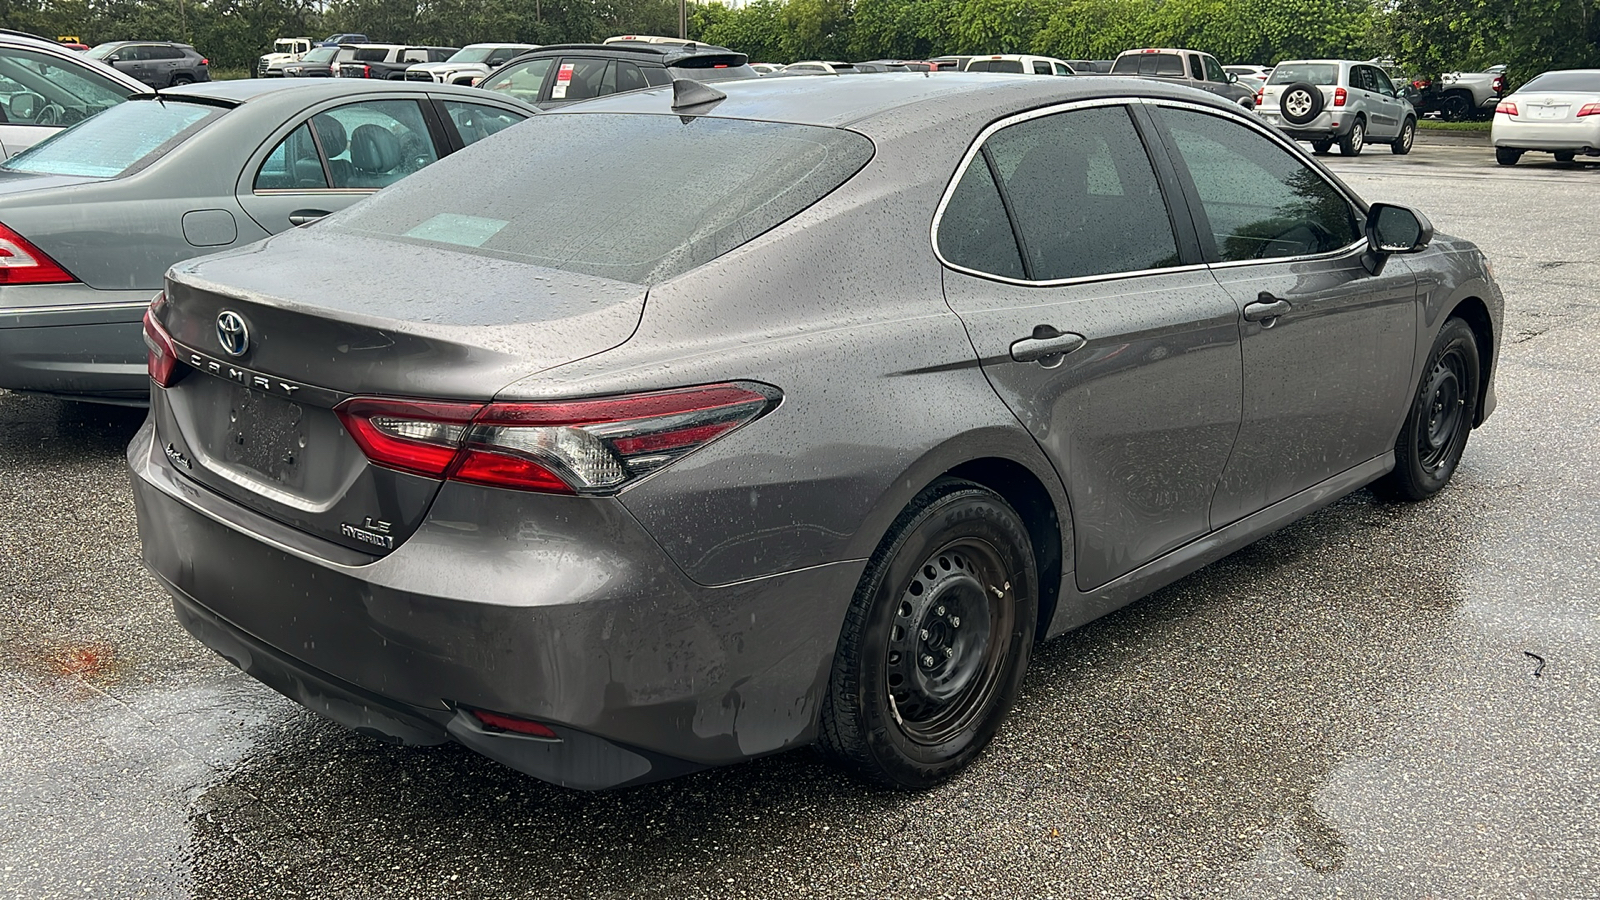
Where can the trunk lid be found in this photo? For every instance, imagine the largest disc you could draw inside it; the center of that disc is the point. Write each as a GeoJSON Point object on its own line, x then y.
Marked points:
{"type": "Point", "coordinates": [325, 320]}
{"type": "Point", "coordinates": [1552, 106]}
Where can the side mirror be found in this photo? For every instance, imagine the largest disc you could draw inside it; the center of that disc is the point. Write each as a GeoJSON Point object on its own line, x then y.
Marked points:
{"type": "Point", "coordinates": [1394, 229]}
{"type": "Point", "coordinates": [22, 107]}
{"type": "Point", "coordinates": [1233, 78]}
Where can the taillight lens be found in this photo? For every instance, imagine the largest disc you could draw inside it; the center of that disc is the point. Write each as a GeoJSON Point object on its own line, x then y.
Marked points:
{"type": "Point", "coordinates": [1261, 96]}
{"type": "Point", "coordinates": [204, 61]}
{"type": "Point", "coordinates": [366, 71]}
{"type": "Point", "coordinates": [1499, 84]}
{"type": "Point", "coordinates": [1589, 109]}
{"type": "Point", "coordinates": [1507, 107]}
{"type": "Point", "coordinates": [595, 446]}
{"type": "Point", "coordinates": [23, 263]}
{"type": "Point", "coordinates": [162, 358]}
{"type": "Point", "coordinates": [1340, 95]}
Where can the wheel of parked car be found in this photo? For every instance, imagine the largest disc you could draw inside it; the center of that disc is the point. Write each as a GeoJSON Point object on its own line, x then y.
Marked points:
{"type": "Point", "coordinates": [182, 79]}
{"type": "Point", "coordinates": [1408, 136]}
{"type": "Point", "coordinates": [1456, 105]}
{"type": "Point", "coordinates": [1565, 156]}
{"type": "Point", "coordinates": [1506, 156]}
{"type": "Point", "coordinates": [1321, 148]}
{"type": "Point", "coordinates": [1300, 102]}
{"type": "Point", "coordinates": [935, 641]}
{"type": "Point", "coordinates": [1351, 143]}
{"type": "Point", "coordinates": [1435, 432]}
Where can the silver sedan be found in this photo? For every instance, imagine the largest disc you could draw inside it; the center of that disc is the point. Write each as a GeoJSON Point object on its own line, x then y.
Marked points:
{"type": "Point", "coordinates": [91, 218]}
{"type": "Point", "coordinates": [1557, 112]}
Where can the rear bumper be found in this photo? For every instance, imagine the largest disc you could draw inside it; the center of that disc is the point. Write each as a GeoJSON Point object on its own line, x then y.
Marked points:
{"type": "Point", "coordinates": [1580, 137]}
{"type": "Point", "coordinates": [1325, 126]}
{"type": "Point", "coordinates": [566, 613]}
{"type": "Point", "coordinates": [74, 341]}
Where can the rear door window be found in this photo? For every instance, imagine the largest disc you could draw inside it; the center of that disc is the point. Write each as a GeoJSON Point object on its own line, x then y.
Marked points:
{"type": "Point", "coordinates": [1041, 67]}
{"type": "Point", "coordinates": [374, 143]}
{"type": "Point", "coordinates": [474, 121]}
{"type": "Point", "coordinates": [1196, 70]}
{"type": "Point", "coordinates": [1258, 200]}
{"type": "Point", "coordinates": [1063, 70]}
{"type": "Point", "coordinates": [293, 165]}
{"type": "Point", "coordinates": [126, 137]}
{"type": "Point", "coordinates": [579, 78]}
{"type": "Point", "coordinates": [974, 231]}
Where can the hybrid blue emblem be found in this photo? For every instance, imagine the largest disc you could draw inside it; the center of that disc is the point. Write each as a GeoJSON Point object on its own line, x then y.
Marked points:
{"type": "Point", "coordinates": [232, 333]}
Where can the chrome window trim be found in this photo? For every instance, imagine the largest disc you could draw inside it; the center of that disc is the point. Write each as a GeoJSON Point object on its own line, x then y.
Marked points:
{"type": "Point", "coordinates": [105, 305]}
{"type": "Point", "coordinates": [280, 192]}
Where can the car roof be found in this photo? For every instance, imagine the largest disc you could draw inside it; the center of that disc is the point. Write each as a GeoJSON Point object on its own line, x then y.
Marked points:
{"type": "Point", "coordinates": [244, 90]}
{"type": "Point", "coordinates": [858, 103]}
{"type": "Point", "coordinates": [661, 51]}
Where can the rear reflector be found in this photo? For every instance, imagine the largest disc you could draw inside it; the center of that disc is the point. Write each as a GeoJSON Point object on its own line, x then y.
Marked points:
{"type": "Point", "coordinates": [514, 724]}
{"type": "Point", "coordinates": [162, 358]}
{"type": "Point", "coordinates": [594, 446]}
{"type": "Point", "coordinates": [1507, 107]}
{"type": "Point", "coordinates": [23, 263]}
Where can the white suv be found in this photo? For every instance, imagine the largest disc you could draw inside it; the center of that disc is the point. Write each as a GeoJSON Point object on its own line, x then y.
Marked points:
{"type": "Point", "coordinates": [1337, 100]}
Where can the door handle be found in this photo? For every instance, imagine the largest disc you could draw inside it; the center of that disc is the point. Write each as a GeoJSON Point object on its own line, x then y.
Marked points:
{"type": "Point", "coordinates": [1266, 309]}
{"type": "Point", "coordinates": [1046, 343]}
{"type": "Point", "coordinates": [306, 216]}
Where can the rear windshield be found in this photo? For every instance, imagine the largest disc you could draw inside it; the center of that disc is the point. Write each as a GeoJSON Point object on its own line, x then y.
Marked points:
{"type": "Point", "coordinates": [1165, 65]}
{"type": "Point", "coordinates": [371, 54]}
{"type": "Point", "coordinates": [714, 68]}
{"type": "Point", "coordinates": [1310, 73]}
{"type": "Point", "coordinates": [1013, 66]}
{"type": "Point", "coordinates": [116, 141]}
{"type": "Point", "coordinates": [635, 198]}
{"type": "Point", "coordinates": [1583, 82]}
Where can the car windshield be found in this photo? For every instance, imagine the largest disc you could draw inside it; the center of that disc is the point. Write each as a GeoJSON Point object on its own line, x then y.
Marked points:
{"type": "Point", "coordinates": [107, 145]}
{"type": "Point", "coordinates": [635, 198]}
{"type": "Point", "coordinates": [1310, 73]}
{"type": "Point", "coordinates": [1581, 82]}
{"type": "Point", "coordinates": [283, 47]}
{"type": "Point", "coordinates": [65, 92]}
{"type": "Point", "coordinates": [101, 51]}
{"type": "Point", "coordinates": [321, 55]}
{"type": "Point", "coordinates": [471, 55]}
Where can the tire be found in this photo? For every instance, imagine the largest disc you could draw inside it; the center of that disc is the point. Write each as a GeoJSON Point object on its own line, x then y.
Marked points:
{"type": "Point", "coordinates": [935, 641]}
{"type": "Point", "coordinates": [1408, 136]}
{"type": "Point", "coordinates": [1506, 156]}
{"type": "Point", "coordinates": [1351, 143]}
{"type": "Point", "coordinates": [181, 80]}
{"type": "Point", "coordinates": [1435, 433]}
{"type": "Point", "coordinates": [1565, 156]}
{"type": "Point", "coordinates": [1300, 103]}
{"type": "Point", "coordinates": [1321, 148]}
{"type": "Point", "coordinates": [1456, 106]}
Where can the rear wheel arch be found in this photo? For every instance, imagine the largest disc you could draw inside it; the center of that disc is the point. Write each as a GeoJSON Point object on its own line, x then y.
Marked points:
{"type": "Point", "coordinates": [1018, 486]}
{"type": "Point", "coordinates": [1473, 311]}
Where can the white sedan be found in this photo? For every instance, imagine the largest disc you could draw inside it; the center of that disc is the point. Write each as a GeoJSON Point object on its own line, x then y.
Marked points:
{"type": "Point", "coordinates": [1557, 112]}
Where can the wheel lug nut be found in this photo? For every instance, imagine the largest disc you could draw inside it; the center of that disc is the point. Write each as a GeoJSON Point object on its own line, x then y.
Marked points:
{"type": "Point", "coordinates": [949, 652]}
{"type": "Point", "coordinates": [927, 661]}
{"type": "Point", "coordinates": [955, 621]}
{"type": "Point", "coordinates": [925, 634]}
{"type": "Point", "coordinates": [938, 611]}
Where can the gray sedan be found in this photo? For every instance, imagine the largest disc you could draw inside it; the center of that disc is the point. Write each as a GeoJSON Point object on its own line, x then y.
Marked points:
{"type": "Point", "coordinates": [92, 218]}
{"type": "Point", "coordinates": [725, 420]}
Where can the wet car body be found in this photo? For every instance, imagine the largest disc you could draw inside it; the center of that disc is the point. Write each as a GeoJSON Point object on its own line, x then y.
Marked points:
{"type": "Point", "coordinates": [693, 617]}
{"type": "Point", "coordinates": [115, 233]}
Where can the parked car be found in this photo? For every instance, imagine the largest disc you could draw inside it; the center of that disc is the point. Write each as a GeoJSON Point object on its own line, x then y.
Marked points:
{"type": "Point", "coordinates": [1557, 112]}
{"type": "Point", "coordinates": [334, 40]}
{"type": "Point", "coordinates": [284, 50]}
{"type": "Point", "coordinates": [558, 74]}
{"type": "Point", "coordinates": [469, 64]}
{"type": "Point", "coordinates": [1091, 66]}
{"type": "Point", "coordinates": [1190, 67]}
{"type": "Point", "coordinates": [660, 40]}
{"type": "Point", "coordinates": [158, 64]}
{"type": "Point", "coordinates": [950, 63]}
{"type": "Point", "coordinates": [437, 470]}
{"type": "Point", "coordinates": [1457, 96]}
{"type": "Point", "coordinates": [44, 86]}
{"type": "Point", "coordinates": [93, 217]}
{"type": "Point", "coordinates": [764, 68]}
{"type": "Point", "coordinates": [832, 67]}
{"type": "Point", "coordinates": [1261, 72]}
{"type": "Point", "coordinates": [1019, 64]}
{"type": "Point", "coordinates": [389, 62]}
{"type": "Point", "coordinates": [319, 63]}
{"type": "Point", "coordinates": [1328, 101]}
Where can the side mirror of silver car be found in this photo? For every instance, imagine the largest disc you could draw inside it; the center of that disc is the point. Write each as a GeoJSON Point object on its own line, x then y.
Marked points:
{"type": "Point", "coordinates": [1394, 229]}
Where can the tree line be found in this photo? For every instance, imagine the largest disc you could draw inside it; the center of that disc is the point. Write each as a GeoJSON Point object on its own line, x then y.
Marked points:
{"type": "Point", "coordinates": [1424, 36]}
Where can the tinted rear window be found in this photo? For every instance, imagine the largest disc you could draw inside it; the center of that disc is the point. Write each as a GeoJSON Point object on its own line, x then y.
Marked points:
{"type": "Point", "coordinates": [1310, 73]}
{"type": "Point", "coordinates": [114, 141]}
{"type": "Point", "coordinates": [371, 54]}
{"type": "Point", "coordinates": [1014, 66]}
{"type": "Point", "coordinates": [1586, 82]}
{"type": "Point", "coordinates": [1166, 65]}
{"type": "Point", "coordinates": [636, 198]}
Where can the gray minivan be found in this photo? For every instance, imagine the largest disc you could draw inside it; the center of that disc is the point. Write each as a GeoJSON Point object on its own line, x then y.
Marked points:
{"type": "Point", "coordinates": [1337, 100]}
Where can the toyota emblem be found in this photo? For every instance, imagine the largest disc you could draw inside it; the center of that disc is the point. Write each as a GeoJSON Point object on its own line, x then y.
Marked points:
{"type": "Point", "coordinates": [232, 333]}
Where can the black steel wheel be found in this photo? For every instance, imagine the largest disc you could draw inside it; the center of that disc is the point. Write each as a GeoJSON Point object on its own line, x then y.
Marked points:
{"type": "Point", "coordinates": [936, 639]}
{"type": "Point", "coordinates": [1457, 105]}
{"type": "Point", "coordinates": [1442, 414]}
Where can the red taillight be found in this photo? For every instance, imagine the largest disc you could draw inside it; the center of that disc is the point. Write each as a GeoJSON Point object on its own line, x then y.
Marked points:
{"type": "Point", "coordinates": [162, 358]}
{"type": "Point", "coordinates": [1499, 84]}
{"type": "Point", "coordinates": [514, 724]}
{"type": "Point", "coordinates": [1507, 107]}
{"type": "Point", "coordinates": [1589, 109]}
{"type": "Point", "coordinates": [1339, 96]}
{"type": "Point", "coordinates": [1261, 96]}
{"type": "Point", "coordinates": [366, 71]}
{"type": "Point", "coordinates": [592, 446]}
{"type": "Point", "coordinates": [23, 263]}
{"type": "Point", "coordinates": [204, 61]}
{"type": "Point", "coordinates": [1421, 84]}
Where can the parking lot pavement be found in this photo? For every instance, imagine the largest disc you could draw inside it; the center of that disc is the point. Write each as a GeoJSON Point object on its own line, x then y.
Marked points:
{"type": "Point", "coordinates": [1381, 700]}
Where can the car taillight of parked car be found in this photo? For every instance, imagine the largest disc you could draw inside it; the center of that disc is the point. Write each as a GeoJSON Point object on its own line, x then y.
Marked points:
{"type": "Point", "coordinates": [1340, 95]}
{"type": "Point", "coordinates": [1589, 109]}
{"type": "Point", "coordinates": [592, 446]}
{"type": "Point", "coordinates": [366, 71]}
{"type": "Point", "coordinates": [1499, 84]}
{"type": "Point", "coordinates": [1507, 107]}
{"type": "Point", "coordinates": [1261, 96]}
{"type": "Point", "coordinates": [23, 263]}
{"type": "Point", "coordinates": [162, 359]}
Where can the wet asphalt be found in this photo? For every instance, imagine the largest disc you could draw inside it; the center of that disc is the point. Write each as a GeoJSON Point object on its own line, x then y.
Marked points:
{"type": "Point", "coordinates": [1379, 701]}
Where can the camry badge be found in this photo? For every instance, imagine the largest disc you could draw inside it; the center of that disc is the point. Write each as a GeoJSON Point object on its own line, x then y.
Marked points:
{"type": "Point", "coordinates": [232, 333]}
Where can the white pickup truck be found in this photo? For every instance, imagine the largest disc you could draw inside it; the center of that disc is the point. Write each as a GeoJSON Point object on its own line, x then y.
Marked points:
{"type": "Point", "coordinates": [283, 50]}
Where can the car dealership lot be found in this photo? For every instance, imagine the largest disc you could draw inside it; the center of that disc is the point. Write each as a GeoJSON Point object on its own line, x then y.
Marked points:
{"type": "Point", "coordinates": [1349, 704]}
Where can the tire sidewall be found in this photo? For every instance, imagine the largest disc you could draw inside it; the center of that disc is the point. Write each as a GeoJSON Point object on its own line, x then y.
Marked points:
{"type": "Point", "coordinates": [1455, 334]}
{"type": "Point", "coordinates": [966, 512]}
{"type": "Point", "coordinates": [1316, 102]}
{"type": "Point", "coordinates": [1408, 136]}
